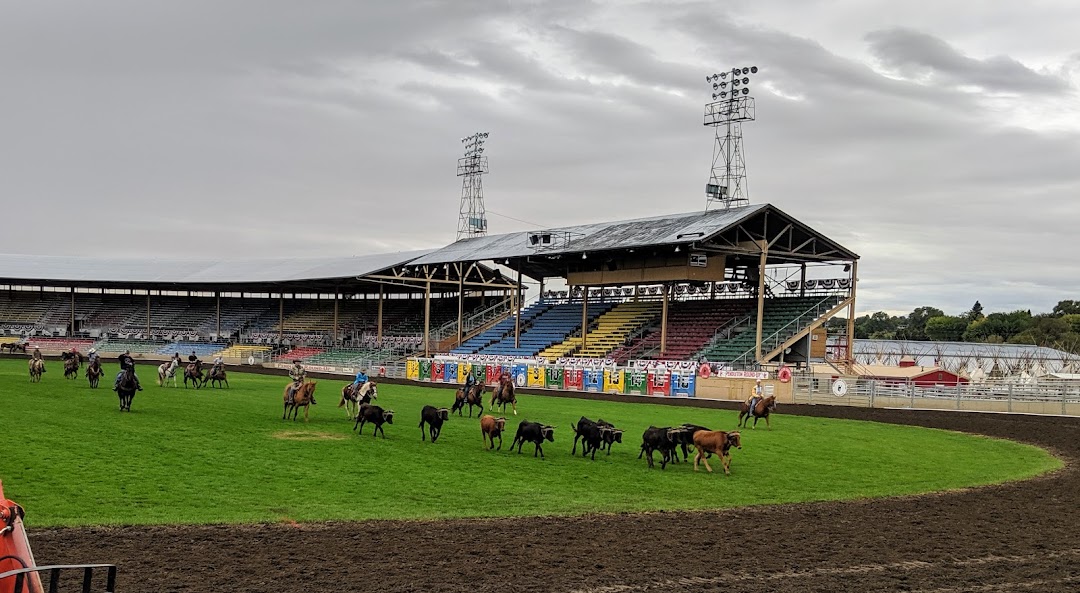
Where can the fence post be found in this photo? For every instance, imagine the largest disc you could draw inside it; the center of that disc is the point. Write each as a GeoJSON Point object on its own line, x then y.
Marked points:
{"type": "Point", "coordinates": [911, 390]}
{"type": "Point", "coordinates": [1010, 398]}
{"type": "Point", "coordinates": [1063, 409]}
{"type": "Point", "coordinates": [958, 394]}
{"type": "Point", "coordinates": [873, 388]}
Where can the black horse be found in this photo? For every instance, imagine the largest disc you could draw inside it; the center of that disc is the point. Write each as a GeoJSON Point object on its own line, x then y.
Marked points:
{"type": "Point", "coordinates": [193, 372]}
{"type": "Point", "coordinates": [126, 389]}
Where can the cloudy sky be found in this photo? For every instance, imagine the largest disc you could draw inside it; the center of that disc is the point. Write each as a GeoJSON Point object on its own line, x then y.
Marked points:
{"type": "Point", "coordinates": [939, 140]}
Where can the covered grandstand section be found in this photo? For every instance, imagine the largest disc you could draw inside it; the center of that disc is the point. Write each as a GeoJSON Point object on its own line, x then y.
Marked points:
{"type": "Point", "coordinates": [259, 306]}
{"type": "Point", "coordinates": [760, 281]}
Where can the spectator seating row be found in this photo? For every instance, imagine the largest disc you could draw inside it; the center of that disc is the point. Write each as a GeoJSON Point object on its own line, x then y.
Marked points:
{"type": "Point", "coordinates": [501, 329]}
{"type": "Point", "coordinates": [610, 331]}
{"type": "Point", "coordinates": [691, 325]}
{"type": "Point", "coordinates": [550, 327]}
{"type": "Point", "coordinates": [779, 315]}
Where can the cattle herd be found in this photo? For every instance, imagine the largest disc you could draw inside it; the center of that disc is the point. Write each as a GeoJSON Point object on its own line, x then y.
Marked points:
{"type": "Point", "coordinates": [594, 436]}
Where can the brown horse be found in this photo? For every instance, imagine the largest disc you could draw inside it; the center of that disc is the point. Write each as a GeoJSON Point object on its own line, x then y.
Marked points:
{"type": "Point", "coordinates": [217, 376]}
{"type": "Point", "coordinates": [304, 396]}
{"type": "Point", "coordinates": [94, 373]}
{"type": "Point", "coordinates": [475, 397]}
{"type": "Point", "coordinates": [193, 371]}
{"type": "Point", "coordinates": [12, 347]}
{"type": "Point", "coordinates": [504, 394]}
{"type": "Point", "coordinates": [37, 368]}
{"type": "Point", "coordinates": [71, 365]}
{"type": "Point", "coordinates": [762, 409]}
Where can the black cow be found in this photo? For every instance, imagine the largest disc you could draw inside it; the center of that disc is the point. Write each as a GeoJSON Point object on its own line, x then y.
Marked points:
{"type": "Point", "coordinates": [434, 418]}
{"type": "Point", "coordinates": [658, 439]}
{"type": "Point", "coordinates": [613, 435]}
{"type": "Point", "coordinates": [533, 432]}
{"type": "Point", "coordinates": [683, 436]}
{"type": "Point", "coordinates": [375, 415]}
{"type": "Point", "coordinates": [591, 435]}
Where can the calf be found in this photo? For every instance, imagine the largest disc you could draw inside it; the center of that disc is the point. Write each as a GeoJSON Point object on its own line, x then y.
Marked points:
{"type": "Point", "coordinates": [535, 433]}
{"type": "Point", "coordinates": [434, 418]}
{"type": "Point", "coordinates": [610, 436]}
{"type": "Point", "coordinates": [491, 427]}
{"type": "Point", "coordinates": [719, 442]}
{"type": "Point", "coordinates": [589, 433]}
{"type": "Point", "coordinates": [375, 415]}
{"type": "Point", "coordinates": [657, 439]}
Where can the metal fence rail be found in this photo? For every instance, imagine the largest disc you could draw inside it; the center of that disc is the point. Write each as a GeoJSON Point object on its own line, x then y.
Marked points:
{"type": "Point", "coordinates": [1056, 398]}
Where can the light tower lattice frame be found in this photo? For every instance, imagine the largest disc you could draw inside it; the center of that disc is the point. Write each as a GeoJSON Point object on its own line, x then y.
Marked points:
{"type": "Point", "coordinates": [732, 105]}
{"type": "Point", "coordinates": [472, 221]}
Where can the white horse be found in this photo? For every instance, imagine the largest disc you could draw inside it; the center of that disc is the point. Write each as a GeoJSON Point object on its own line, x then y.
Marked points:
{"type": "Point", "coordinates": [367, 392]}
{"type": "Point", "coordinates": [166, 372]}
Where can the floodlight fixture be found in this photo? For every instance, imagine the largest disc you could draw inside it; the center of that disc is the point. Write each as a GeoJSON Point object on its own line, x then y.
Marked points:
{"type": "Point", "coordinates": [746, 81]}
{"type": "Point", "coordinates": [727, 183]}
{"type": "Point", "coordinates": [753, 69]}
{"type": "Point", "coordinates": [745, 70]}
{"type": "Point", "coordinates": [745, 91]}
{"type": "Point", "coordinates": [472, 221]}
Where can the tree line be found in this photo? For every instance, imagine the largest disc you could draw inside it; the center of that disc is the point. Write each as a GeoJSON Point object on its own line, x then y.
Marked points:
{"type": "Point", "coordinates": [1060, 328]}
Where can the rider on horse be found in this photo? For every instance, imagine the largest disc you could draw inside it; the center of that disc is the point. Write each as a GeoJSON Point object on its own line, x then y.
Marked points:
{"type": "Point", "coordinates": [297, 373]}
{"type": "Point", "coordinates": [219, 362]}
{"type": "Point", "coordinates": [360, 379]}
{"type": "Point", "coordinates": [759, 393]}
{"type": "Point", "coordinates": [126, 362]}
{"type": "Point", "coordinates": [470, 380]}
{"type": "Point", "coordinates": [92, 357]}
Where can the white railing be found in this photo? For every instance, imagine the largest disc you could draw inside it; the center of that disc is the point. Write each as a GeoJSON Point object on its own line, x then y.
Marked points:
{"type": "Point", "coordinates": [1040, 397]}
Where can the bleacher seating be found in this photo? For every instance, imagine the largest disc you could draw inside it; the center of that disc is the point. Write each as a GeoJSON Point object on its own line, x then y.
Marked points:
{"type": "Point", "coordinates": [611, 331]}
{"type": "Point", "coordinates": [243, 351]}
{"type": "Point", "coordinates": [50, 345]}
{"type": "Point", "coordinates": [779, 313]}
{"type": "Point", "coordinates": [134, 346]}
{"type": "Point", "coordinates": [501, 329]}
{"type": "Point", "coordinates": [691, 325]}
{"type": "Point", "coordinates": [550, 327]}
{"type": "Point", "coordinates": [201, 349]}
{"type": "Point", "coordinates": [349, 357]}
{"type": "Point", "coordinates": [298, 353]}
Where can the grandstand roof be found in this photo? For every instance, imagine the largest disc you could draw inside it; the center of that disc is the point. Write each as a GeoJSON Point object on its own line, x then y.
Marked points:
{"type": "Point", "coordinates": [757, 221]}
{"type": "Point", "coordinates": [189, 273]}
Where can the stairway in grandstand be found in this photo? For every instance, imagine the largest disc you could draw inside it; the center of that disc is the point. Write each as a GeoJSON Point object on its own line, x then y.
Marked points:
{"type": "Point", "coordinates": [691, 325]}
{"type": "Point", "coordinates": [610, 331]}
{"type": "Point", "coordinates": [550, 326]}
{"type": "Point", "coordinates": [783, 319]}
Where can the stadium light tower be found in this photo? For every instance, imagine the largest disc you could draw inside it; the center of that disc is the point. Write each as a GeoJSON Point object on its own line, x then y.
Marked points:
{"type": "Point", "coordinates": [472, 222]}
{"type": "Point", "coordinates": [731, 105]}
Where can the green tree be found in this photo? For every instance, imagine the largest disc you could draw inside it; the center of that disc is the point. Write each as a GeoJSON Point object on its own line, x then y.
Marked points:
{"type": "Point", "coordinates": [878, 323]}
{"type": "Point", "coordinates": [945, 328]}
{"type": "Point", "coordinates": [1073, 320]}
{"type": "Point", "coordinates": [1046, 330]}
{"type": "Point", "coordinates": [915, 324]}
{"type": "Point", "coordinates": [976, 312]}
{"type": "Point", "coordinates": [1066, 308]}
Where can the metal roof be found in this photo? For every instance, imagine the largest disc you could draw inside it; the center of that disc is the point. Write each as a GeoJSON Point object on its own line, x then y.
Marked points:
{"type": "Point", "coordinates": [103, 270]}
{"type": "Point", "coordinates": [673, 229]}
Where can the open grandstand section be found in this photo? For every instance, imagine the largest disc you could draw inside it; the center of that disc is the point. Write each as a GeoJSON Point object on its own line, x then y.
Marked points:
{"type": "Point", "coordinates": [745, 285]}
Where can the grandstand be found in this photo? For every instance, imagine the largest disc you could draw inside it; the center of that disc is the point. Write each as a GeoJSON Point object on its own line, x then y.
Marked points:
{"type": "Point", "coordinates": [679, 286]}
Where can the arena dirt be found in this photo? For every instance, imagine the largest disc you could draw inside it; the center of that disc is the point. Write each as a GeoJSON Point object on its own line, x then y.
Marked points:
{"type": "Point", "coordinates": [1017, 537]}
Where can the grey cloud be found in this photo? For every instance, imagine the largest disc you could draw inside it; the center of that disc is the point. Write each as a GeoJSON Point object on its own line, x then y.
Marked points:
{"type": "Point", "coordinates": [916, 53]}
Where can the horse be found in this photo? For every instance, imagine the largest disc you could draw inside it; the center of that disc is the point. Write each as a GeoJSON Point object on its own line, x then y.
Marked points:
{"type": "Point", "coordinates": [475, 397]}
{"type": "Point", "coordinates": [13, 346]}
{"type": "Point", "coordinates": [193, 371]}
{"type": "Point", "coordinates": [504, 394]}
{"type": "Point", "coordinates": [762, 409]}
{"type": "Point", "coordinates": [352, 399]}
{"type": "Point", "coordinates": [94, 373]}
{"type": "Point", "coordinates": [71, 365]}
{"type": "Point", "coordinates": [126, 389]}
{"type": "Point", "coordinates": [166, 372]}
{"type": "Point", "coordinates": [218, 377]}
{"type": "Point", "coordinates": [304, 396]}
{"type": "Point", "coordinates": [37, 368]}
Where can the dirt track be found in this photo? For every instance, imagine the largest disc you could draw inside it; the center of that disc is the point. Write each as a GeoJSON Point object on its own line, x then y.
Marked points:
{"type": "Point", "coordinates": [1017, 537]}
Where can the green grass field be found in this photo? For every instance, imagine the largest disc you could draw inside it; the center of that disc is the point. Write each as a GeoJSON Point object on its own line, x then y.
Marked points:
{"type": "Point", "coordinates": [225, 456]}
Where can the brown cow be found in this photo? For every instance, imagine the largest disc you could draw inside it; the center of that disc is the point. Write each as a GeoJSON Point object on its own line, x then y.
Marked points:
{"type": "Point", "coordinates": [715, 441]}
{"type": "Point", "coordinates": [491, 427]}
